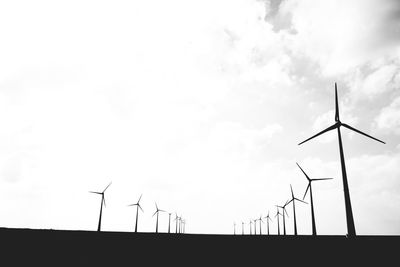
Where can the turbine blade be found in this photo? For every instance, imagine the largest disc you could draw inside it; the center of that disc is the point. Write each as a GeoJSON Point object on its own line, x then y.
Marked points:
{"type": "Point", "coordinates": [140, 207]}
{"type": "Point", "coordinates": [154, 213]}
{"type": "Point", "coordinates": [107, 187]}
{"type": "Point", "coordinates": [291, 189]}
{"type": "Point", "coordinates": [291, 200]}
{"type": "Point", "coordinates": [308, 187]}
{"type": "Point", "coordinates": [308, 178]}
{"type": "Point", "coordinates": [139, 199]}
{"type": "Point", "coordinates": [323, 131]}
{"type": "Point", "coordinates": [286, 212]}
{"type": "Point", "coordinates": [336, 104]}
{"type": "Point", "coordinates": [300, 200]}
{"type": "Point", "coordinates": [104, 201]}
{"type": "Point", "coordinates": [321, 179]}
{"type": "Point", "coordinates": [358, 131]}
{"type": "Point", "coordinates": [95, 192]}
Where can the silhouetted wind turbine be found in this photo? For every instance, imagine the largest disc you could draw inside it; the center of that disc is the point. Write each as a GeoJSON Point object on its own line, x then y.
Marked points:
{"type": "Point", "coordinates": [183, 225]}
{"type": "Point", "coordinates": [137, 211]}
{"type": "Point", "coordinates": [283, 215]}
{"type": "Point", "coordinates": [351, 230]}
{"type": "Point", "coordinates": [103, 201]}
{"type": "Point", "coordinates": [234, 228]}
{"type": "Point", "coordinates": [255, 226]}
{"type": "Point", "coordinates": [250, 226]}
{"type": "Point", "coordinates": [277, 215]}
{"type": "Point", "coordinates": [176, 223]}
{"type": "Point", "coordinates": [261, 221]}
{"type": "Point", "coordinates": [157, 212]}
{"type": "Point", "coordinates": [294, 209]}
{"type": "Point", "coordinates": [242, 228]}
{"type": "Point", "coordinates": [268, 219]}
{"type": "Point", "coordinates": [169, 222]}
{"type": "Point", "coordinates": [314, 228]}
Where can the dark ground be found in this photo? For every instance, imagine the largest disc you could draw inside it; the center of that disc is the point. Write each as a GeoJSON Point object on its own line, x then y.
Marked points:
{"type": "Point", "coordinates": [24, 247]}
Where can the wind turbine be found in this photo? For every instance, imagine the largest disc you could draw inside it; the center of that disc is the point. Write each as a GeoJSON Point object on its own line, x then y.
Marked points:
{"type": "Point", "coordinates": [351, 230]}
{"type": "Point", "coordinates": [169, 222]}
{"type": "Point", "coordinates": [103, 201]}
{"type": "Point", "coordinates": [234, 228]}
{"type": "Point", "coordinates": [183, 226]}
{"type": "Point", "coordinates": [261, 221]}
{"type": "Point", "coordinates": [157, 212]}
{"type": "Point", "coordinates": [250, 226]}
{"type": "Point", "coordinates": [268, 219]}
{"type": "Point", "coordinates": [283, 215]}
{"type": "Point", "coordinates": [242, 228]}
{"type": "Point", "coordinates": [255, 226]}
{"type": "Point", "coordinates": [309, 187]}
{"type": "Point", "coordinates": [137, 204]}
{"type": "Point", "coordinates": [294, 209]}
{"type": "Point", "coordinates": [277, 215]}
{"type": "Point", "coordinates": [176, 222]}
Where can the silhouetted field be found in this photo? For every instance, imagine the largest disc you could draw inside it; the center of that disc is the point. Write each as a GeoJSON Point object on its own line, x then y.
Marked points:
{"type": "Point", "coordinates": [75, 248]}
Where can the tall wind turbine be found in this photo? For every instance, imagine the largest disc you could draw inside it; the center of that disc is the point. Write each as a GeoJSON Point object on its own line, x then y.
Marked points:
{"type": "Point", "coordinates": [255, 226]}
{"type": "Point", "coordinates": [277, 215]}
{"type": "Point", "coordinates": [351, 230]}
{"type": "Point", "coordinates": [242, 228]}
{"type": "Point", "coordinates": [294, 208]}
{"type": "Point", "coordinates": [283, 215]}
{"type": "Point", "coordinates": [103, 201]}
{"type": "Point", "coordinates": [157, 212]}
{"type": "Point", "coordinates": [309, 187]}
{"type": "Point", "coordinates": [137, 204]}
{"type": "Point", "coordinates": [268, 219]}
{"type": "Point", "coordinates": [234, 228]}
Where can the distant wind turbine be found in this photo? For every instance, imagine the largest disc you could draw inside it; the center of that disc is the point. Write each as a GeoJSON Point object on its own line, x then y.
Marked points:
{"type": "Point", "coordinates": [268, 219]}
{"type": "Point", "coordinates": [261, 221]}
{"type": "Point", "coordinates": [234, 228]}
{"type": "Point", "coordinates": [255, 226]}
{"type": "Point", "coordinates": [277, 215]}
{"type": "Point", "coordinates": [103, 201]}
{"type": "Point", "coordinates": [242, 228]}
{"type": "Point", "coordinates": [156, 213]}
{"type": "Point", "coordinates": [169, 222]}
{"type": "Point", "coordinates": [351, 230]}
{"type": "Point", "coordinates": [309, 187]}
{"type": "Point", "coordinates": [294, 199]}
{"type": "Point", "coordinates": [283, 215]}
{"type": "Point", "coordinates": [176, 222]}
{"type": "Point", "coordinates": [137, 204]}
{"type": "Point", "coordinates": [250, 226]}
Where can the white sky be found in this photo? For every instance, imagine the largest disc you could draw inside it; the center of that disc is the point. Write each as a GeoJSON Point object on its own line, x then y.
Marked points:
{"type": "Point", "coordinates": [199, 105]}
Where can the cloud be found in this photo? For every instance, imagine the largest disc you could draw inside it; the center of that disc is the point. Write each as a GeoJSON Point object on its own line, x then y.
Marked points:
{"type": "Point", "coordinates": [389, 117]}
{"type": "Point", "coordinates": [342, 35]}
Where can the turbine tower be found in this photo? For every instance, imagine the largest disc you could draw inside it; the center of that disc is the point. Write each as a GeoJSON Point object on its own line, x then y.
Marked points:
{"type": "Point", "coordinates": [103, 201]}
{"type": "Point", "coordinates": [169, 222]}
{"type": "Point", "coordinates": [294, 209]}
{"type": "Point", "coordinates": [351, 230]}
{"type": "Point", "coordinates": [137, 204]}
